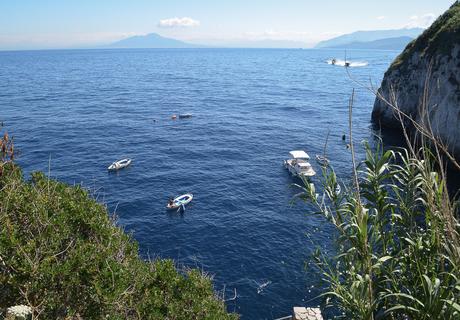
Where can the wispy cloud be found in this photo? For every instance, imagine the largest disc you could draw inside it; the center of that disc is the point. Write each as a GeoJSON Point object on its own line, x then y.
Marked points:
{"type": "Point", "coordinates": [423, 21]}
{"type": "Point", "coordinates": [176, 22]}
{"type": "Point", "coordinates": [380, 17]}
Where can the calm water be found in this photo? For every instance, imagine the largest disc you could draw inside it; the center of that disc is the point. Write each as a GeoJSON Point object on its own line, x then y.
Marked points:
{"type": "Point", "coordinates": [83, 109]}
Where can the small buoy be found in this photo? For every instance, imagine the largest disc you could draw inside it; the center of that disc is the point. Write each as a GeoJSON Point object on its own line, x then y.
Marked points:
{"type": "Point", "coordinates": [174, 117]}
{"type": "Point", "coordinates": [348, 146]}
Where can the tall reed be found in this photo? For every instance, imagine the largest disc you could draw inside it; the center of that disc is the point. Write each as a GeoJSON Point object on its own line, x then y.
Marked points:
{"type": "Point", "coordinates": [398, 247]}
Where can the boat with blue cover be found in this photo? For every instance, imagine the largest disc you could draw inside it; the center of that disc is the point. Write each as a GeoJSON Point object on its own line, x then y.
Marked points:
{"type": "Point", "coordinates": [179, 202]}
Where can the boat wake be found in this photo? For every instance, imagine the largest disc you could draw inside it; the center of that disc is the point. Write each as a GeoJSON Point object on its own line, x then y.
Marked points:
{"type": "Point", "coordinates": [339, 62]}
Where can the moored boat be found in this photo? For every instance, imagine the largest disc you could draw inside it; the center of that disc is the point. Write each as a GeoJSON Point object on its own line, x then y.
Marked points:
{"type": "Point", "coordinates": [322, 160]}
{"type": "Point", "coordinates": [179, 202]}
{"type": "Point", "coordinates": [120, 164]}
{"type": "Point", "coordinates": [185, 115]}
{"type": "Point", "coordinates": [298, 165]}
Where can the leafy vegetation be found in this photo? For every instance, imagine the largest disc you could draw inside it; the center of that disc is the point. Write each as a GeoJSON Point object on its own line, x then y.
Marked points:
{"type": "Point", "coordinates": [398, 239]}
{"type": "Point", "coordinates": [441, 37]}
{"type": "Point", "coordinates": [62, 255]}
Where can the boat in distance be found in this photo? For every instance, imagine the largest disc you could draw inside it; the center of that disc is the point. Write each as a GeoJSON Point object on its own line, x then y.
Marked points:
{"type": "Point", "coordinates": [185, 115]}
{"type": "Point", "coordinates": [120, 164]}
{"type": "Point", "coordinates": [298, 164]}
{"type": "Point", "coordinates": [179, 202]}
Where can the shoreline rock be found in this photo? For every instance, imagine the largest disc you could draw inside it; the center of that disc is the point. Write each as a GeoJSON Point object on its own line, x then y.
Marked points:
{"type": "Point", "coordinates": [425, 81]}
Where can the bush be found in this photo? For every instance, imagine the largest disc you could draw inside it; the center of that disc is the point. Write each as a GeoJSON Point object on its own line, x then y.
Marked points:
{"type": "Point", "coordinates": [62, 255]}
{"type": "Point", "coordinates": [398, 248]}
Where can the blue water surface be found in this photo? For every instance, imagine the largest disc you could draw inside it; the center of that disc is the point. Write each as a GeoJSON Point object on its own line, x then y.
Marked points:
{"type": "Point", "coordinates": [80, 110]}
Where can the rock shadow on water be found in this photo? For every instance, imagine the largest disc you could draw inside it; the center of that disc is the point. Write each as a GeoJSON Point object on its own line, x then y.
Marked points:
{"type": "Point", "coordinates": [393, 139]}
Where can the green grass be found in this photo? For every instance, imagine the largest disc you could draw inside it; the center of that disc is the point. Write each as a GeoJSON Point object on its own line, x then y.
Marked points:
{"type": "Point", "coordinates": [62, 255]}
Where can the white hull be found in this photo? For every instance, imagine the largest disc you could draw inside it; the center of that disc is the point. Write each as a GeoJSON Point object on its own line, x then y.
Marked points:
{"type": "Point", "coordinates": [180, 201]}
{"type": "Point", "coordinates": [117, 165]}
{"type": "Point", "coordinates": [288, 164]}
{"type": "Point", "coordinates": [322, 160]}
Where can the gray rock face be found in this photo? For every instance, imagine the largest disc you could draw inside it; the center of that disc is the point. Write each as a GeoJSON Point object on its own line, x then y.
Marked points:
{"type": "Point", "coordinates": [425, 83]}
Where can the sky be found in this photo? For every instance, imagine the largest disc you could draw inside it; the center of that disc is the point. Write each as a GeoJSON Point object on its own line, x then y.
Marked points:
{"type": "Point", "coordinates": [42, 24]}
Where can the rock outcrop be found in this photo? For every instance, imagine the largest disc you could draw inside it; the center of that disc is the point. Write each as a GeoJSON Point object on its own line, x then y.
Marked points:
{"type": "Point", "coordinates": [424, 82]}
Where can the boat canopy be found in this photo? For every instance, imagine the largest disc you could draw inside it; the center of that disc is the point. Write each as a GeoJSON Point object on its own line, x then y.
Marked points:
{"type": "Point", "coordinates": [299, 154]}
{"type": "Point", "coordinates": [304, 165]}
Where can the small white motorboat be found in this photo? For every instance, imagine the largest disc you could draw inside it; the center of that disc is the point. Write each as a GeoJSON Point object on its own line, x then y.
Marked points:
{"type": "Point", "coordinates": [298, 165]}
{"type": "Point", "coordinates": [185, 115]}
{"type": "Point", "coordinates": [120, 164]}
{"type": "Point", "coordinates": [322, 160]}
{"type": "Point", "coordinates": [179, 202]}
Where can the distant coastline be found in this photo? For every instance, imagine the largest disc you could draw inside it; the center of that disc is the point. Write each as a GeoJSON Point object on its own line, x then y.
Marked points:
{"type": "Point", "coordinates": [372, 39]}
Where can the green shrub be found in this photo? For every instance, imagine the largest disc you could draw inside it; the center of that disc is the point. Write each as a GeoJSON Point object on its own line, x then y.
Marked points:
{"type": "Point", "coordinates": [439, 39]}
{"type": "Point", "coordinates": [62, 255]}
{"type": "Point", "coordinates": [398, 248]}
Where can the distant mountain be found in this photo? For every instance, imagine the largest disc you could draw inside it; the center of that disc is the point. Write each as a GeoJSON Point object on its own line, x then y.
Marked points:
{"type": "Point", "coordinates": [369, 36]}
{"type": "Point", "coordinates": [152, 40]}
{"type": "Point", "coordinates": [398, 43]}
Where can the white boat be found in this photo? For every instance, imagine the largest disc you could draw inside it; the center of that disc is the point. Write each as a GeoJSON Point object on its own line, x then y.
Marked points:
{"type": "Point", "coordinates": [322, 160]}
{"type": "Point", "coordinates": [179, 202]}
{"type": "Point", "coordinates": [185, 115]}
{"type": "Point", "coordinates": [298, 164]}
{"type": "Point", "coordinates": [120, 164]}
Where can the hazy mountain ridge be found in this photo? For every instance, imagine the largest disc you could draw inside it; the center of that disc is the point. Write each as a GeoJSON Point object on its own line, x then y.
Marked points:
{"type": "Point", "coordinates": [345, 40]}
{"type": "Point", "coordinates": [397, 43]}
{"type": "Point", "coordinates": [154, 40]}
{"type": "Point", "coordinates": [378, 39]}
{"type": "Point", "coordinates": [151, 40]}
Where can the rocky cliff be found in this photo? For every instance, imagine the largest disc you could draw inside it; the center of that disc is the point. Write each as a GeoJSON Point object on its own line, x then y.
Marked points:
{"type": "Point", "coordinates": [424, 81]}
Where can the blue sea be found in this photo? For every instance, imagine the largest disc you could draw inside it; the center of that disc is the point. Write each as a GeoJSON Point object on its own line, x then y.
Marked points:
{"type": "Point", "coordinates": [73, 112]}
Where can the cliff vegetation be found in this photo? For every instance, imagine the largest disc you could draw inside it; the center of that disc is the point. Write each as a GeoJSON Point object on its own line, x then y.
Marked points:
{"type": "Point", "coordinates": [420, 92]}
{"type": "Point", "coordinates": [62, 255]}
{"type": "Point", "coordinates": [440, 38]}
